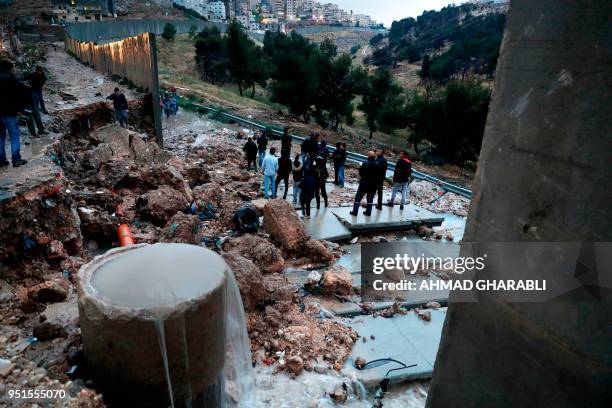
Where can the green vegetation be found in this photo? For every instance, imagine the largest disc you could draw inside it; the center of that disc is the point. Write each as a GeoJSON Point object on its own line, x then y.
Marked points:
{"type": "Point", "coordinates": [475, 43]}
{"type": "Point", "coordinates": [169, 32]}
{"type": "Point", "coordinates": [452, 119]}
{"type": "Point", "coordinates": [377, 39]}
{"type": "Point", "coordinates": [355, 48]}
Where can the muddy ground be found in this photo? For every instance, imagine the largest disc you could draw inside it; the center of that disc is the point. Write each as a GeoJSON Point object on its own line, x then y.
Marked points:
{"type": "Point", "coordinates": [188, 192]}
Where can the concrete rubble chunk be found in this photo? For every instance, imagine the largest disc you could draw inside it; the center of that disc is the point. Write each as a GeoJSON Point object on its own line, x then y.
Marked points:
{"type": "Point", "coordinates": [48, 292]}
{"type": "Point", "coordinates": [295, 365]}
{"type": "Point", "coordinates": [317, 251]}
{"type": "Point", "coordinates": [340, 393]}
{"type": "Point", "coordinates": [337, 280]}
{"type": "Point", "coordinates": [282, 223]}
{"type": "Point", "coordinates": [196, 175]}
{"type": "Point", "coordinates": [97, 224]}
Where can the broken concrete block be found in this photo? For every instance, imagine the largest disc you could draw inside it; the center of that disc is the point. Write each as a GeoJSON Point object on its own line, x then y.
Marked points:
{"type": "Point", "coordinates": [337, 280]}
{"type": "Point", "coordinates": [282, 223]}
{"type": "Point", "coordinates": [317, 252]}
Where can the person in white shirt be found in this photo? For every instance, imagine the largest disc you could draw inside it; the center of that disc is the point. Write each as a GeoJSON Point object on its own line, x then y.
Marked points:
{"type": "Point", "coordinates": [269, 167]}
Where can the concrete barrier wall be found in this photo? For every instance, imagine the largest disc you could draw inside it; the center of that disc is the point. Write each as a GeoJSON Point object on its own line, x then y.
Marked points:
{"type": "Point", "coordinates": [128, 58]}
{"type": "Point", "coordinates": [134, 58]}
{"type": "Point", "coordinates": [105, 31]}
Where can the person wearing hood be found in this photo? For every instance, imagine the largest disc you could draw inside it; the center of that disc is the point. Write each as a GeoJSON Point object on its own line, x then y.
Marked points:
{"type": "Point", "coordinates": [17, 97]}
{"type": "Point", "coordinates": [401, 179]}
{"type": "Point", "coordinates": [250, 150]}
{"type": "Point", "coordinates": [307, 185]}
{"type": "Point", "coordinates": [368, 182]}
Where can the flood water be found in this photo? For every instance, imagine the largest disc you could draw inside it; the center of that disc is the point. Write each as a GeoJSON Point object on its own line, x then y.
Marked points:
{"type": "Point", "coordinates": [158, 275]}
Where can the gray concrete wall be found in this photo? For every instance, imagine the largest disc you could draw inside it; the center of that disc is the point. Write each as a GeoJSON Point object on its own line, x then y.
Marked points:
{"type": "Point", "coordinates": [134, 58]}
{"type": "Point", "coordinates": [544, 175]}
{"type": "Point", "coordinates": [104, 31]}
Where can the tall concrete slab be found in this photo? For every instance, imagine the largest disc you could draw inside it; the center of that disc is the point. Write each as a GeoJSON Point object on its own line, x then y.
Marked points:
{"type": "Point", "coordinates": [543, 175]}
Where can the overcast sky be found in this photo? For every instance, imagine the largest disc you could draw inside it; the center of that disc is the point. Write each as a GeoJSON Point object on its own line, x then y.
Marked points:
{"type": "Point", "coordinates": [385, 11]}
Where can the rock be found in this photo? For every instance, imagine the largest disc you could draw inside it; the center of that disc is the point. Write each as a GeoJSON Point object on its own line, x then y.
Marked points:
{"type": "Point", "coordinates": [249, 279]}
{"type": "Point", "coordinates": [6, 366]}
{"type": "Point", "coordinates": [210, 193]}
{"type": "Point", "coordinates": [312, 281]}
{"type": "Point", "coordinates": [438, 236]}
{"type": "Point", "coordinates": [36, 376]}
{"type": "Point", "coordinates": [424, 315]}
{"type": "Point", "coordinates": [243, 176]}
{"type": "Point", "coordinates": [449, 236]}
{"type": "Point", "coordinates": [49, 331]}
{"type": "Point", "coordinates": [94, 158]}
{"type": "Point", "coordinates": [433, 305]}
{"type": "Point", "coordinates": [424, 231]}
{"type": "Point", "coordinates": [166, 176]}
{"type": "Point", "coordinates": [295, 365]}
{"type": "Point", "coordinates": [182, 228]}
{"type": "Point", "coordinates": [196, 175]}
{"type": "Point", "coordinates": [258, 205]}
{"type": "Point", "coordinates": [48, 292]}
{"type": "Point", "coordinates": [160, 205]}
{"type": "Point", "coordinates": [337, 280]}
{"type": "Point", "coordinates": [360, 362]}
{"type": "Point", "coordinates": [282, 223]}
{"type": "Point", "coordinates": [340, 393]}
{"type": "Point", "coordinates": [317, 252]}
{"type": "Point", "coordinates": [113, 172]}
{"type": "Point", "coordinates": [56, 250]}
{"type": "Point", "coordinates": [264, 254]}
{"type": "Point", "coordinates": [97, 224]}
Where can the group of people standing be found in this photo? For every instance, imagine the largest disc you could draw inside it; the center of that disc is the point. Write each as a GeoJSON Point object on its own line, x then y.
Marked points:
{"type": "Point", "coordinates": [169, 102]}
{"type": "Point", "coordinates": [21, 100]}
{"type": "Point", "coordinates": [372, 174]}
{"type": "Point", "coordinates": [309, 171]}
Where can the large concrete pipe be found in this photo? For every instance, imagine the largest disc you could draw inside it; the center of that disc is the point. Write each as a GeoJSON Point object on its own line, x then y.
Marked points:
{"type": "Point", "coordinates": [152, 324]}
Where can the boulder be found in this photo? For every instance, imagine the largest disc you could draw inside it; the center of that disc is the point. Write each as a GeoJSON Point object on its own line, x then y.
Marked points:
{"type": "Point", "coordinates": [94, 158]}
{"type": "Point", "coordinates": [196, 175]}
{"type": "Point", "coordinates": [48, 292]}
{"type": "Point", "coordinates": [317, 252]}
{"type": "Point", "coordinates": [295, 365]}
{"type": "Point", "coordinates": [160, 205]}
{"type": "Point", "coordinates": [337, 280]}
{"type": "Point", "coordinates": [113, 172]}
{"type": "Point", "coordinates": [182, 228]}
{"type": "Point", "coordinates": [49, 331]}
{"type": "Point", "coordinates": [97, 224]}
{"type": "Point", "coordinates": [249, 279]}
{"type": "Point", "coordinates": [282, 223]}
{"type": "Point", "coordinates": [166, 175]}
{"type": "Point", "coordinates": [264, 254]}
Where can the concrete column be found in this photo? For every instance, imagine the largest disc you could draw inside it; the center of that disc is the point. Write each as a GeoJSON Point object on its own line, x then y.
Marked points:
{"type": "Point", "coordinates": [143, 334]}
{"type": "Point", "coordinates": [157, 113]}
{"type": "Point", "coordinates": [543, 175]}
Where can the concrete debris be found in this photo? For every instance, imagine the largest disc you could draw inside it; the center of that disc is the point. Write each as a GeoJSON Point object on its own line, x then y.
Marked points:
{"type": "Point", "coordinates": [337, 280]}
{"type": "Point", "coordinates": [97, 224]}
{"type": "Point", "coordinates": [433, 305]}
{"type": "Point", "coordinates": [196, 175]}
{"type": "Point", "coordinates": [360, 362]}
{"type": "Point", "coordinates": [425, 231]}
{"type": "Point", "coordinates": [424, 315]}
{"type": "Point", "coordinates": [312, 281]}
{"type": "Point", "coordinates": [295, 365]}
{"type": "Point", "coordinates": [282, 223]}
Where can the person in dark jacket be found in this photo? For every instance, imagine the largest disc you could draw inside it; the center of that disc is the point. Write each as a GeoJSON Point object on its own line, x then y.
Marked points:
{"type": "Point", "coordinates": [262, 145]}
{"type": "Point", "coordinates": [368, 183]}
{"type": "Point", "coordinates": [297, 177]}
{"type": "Point", "coordinates": [382, 172]}
{"type": "Point", "coordinates": [320, 177]}
{"type": "Point", "coordinates": [17, 97]}
{"type": "Point", "coordinates": [307, 185]}
{"type": "Point", "coordinates": [310, 146]}
{"type": "Point", "coordinates": [121, 106]}
{"type": "Point", "coordinates": [37, 81]}
{"type": "Point", "coordinates": [286, 141]}
{"type": "Point", "coordinates": [335, 160]}
{"type": "Point", "coordinates": [401, 179]}
{"type": "Point", "coordinates": [250, 150]}
{"type": "Point", "coordinates": [284, 170]}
